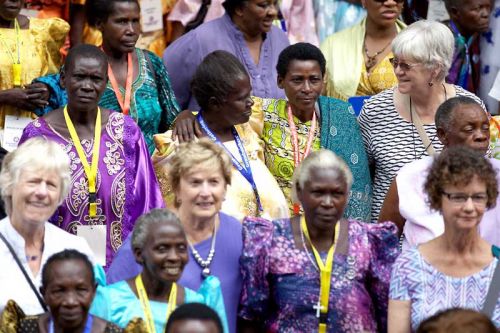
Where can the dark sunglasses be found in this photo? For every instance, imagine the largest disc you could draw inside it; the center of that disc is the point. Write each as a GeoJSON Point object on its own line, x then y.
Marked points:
{"type": "Point", "coordinates": [397, 1]}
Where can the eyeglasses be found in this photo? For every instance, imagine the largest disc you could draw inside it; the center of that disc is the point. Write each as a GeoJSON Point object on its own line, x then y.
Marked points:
{"type": "Point", "coordinates": [396, 1]}
{"type": "Point", "coordinates": [461, 198]}
{"type": "Point", "coordinates": [403, 65]}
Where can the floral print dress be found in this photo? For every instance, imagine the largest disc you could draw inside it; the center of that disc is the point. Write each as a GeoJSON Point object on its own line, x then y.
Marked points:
{"type": "Point", "coordinates": [281, 285]}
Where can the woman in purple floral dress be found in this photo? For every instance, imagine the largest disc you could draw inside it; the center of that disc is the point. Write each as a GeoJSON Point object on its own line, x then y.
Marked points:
{"type": "Point", "coordinates": [281, 271]}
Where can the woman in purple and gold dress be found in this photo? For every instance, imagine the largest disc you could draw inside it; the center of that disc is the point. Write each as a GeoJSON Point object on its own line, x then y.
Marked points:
{"type": "Point", "coordinates": [284, 288]}
{"type": "Point", "coordinates": [115, 184]}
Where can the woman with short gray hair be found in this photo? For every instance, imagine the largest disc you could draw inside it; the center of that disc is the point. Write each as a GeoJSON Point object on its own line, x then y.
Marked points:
{"type": "Point", "coordinates": [34, 180]}
{"type": "Point", "coordinates": [281, 255]}
{"type": "Point", "coordinates": [160, 246]}
{"type": "Point", "coordinates": [398, 124]}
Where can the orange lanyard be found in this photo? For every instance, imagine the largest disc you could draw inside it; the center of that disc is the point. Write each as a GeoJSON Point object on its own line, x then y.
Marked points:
{"type": "Point", "coordinates": [124, 103]}
{"type": "Point", "coordinates": [295, 145]}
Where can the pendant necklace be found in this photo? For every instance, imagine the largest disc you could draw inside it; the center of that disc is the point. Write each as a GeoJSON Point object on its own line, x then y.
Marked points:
{"type": "Point", "coordinates": [372, 59]}
{"type": "Point", "coordinates": [205, 264]}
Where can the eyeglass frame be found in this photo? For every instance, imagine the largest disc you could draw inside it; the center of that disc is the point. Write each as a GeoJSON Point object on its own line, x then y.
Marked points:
{"type": "Point", "coordinates": [460, 198]}
{"type": "Point", "coordinates": [403, 65]}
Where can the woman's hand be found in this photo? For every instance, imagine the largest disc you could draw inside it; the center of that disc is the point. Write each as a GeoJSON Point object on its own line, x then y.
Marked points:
{"type": "Point", "coordinates": [28, 98]}
{"type": "Point", "coordinates": [38, 94]}
{"type": "Point", "coordinates": [186, 127]}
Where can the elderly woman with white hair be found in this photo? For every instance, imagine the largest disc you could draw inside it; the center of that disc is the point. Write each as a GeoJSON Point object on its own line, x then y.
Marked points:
{"type": "Point", "coordinates": [398, 124]}
{"type": "Point", "coordinates": [342, 266]}
{"type": "Point", "coordinates": [34, 180]}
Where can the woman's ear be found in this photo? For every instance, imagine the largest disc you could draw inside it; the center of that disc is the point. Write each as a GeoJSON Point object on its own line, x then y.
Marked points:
{"type": "Point", "coordinates": [138, 256]}
{"type": "Point", "coordinates": [280, 82]}
{"type": "Point", "coordinates": [62, 76]}
{"type": "Point", "coordinates": [213, 103]}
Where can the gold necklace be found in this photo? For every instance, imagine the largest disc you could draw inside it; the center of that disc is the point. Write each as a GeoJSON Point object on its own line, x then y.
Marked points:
{"type": "Point", "coordinates": [372, 59]}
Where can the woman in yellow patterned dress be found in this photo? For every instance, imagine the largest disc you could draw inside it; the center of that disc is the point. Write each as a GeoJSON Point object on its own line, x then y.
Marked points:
{"type": "Point", "coordinates": [358, 57]}
{"type": "Point", "coordinates": [222, 89]}
{"type": "Point", "coordinates": [29, 48]}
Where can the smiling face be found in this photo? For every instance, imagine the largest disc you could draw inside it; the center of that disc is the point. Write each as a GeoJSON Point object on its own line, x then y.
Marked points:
{"type": "Point", "coordinates": [121, 30]}
{"type": "Point", "coordinates": [383, 13]}
{"type": "Point", "coordinates": [69, 293]}
{"type": "Point", "coordinates": [472, 16]}
{"type": "Point", "coordinates": [323, 198]}
{"type": "Point", "coordinates": [201, 192]}
{"type": "Point", "coordinates": [467, 215]}
{"type": "Point", "coordinates": [303, 84]}
{"type": "Point", "coordinates": [412, 76]}
{"type": "Point", "coordinates": [236, 107]}
{"type": "Point", "coordinates": [9, 9]}
{"type": "Point", "coordinates": [469, 127]}
{"type": "Point", "coordinates": [165, 252]}
{"type": "Point", "coordinates": [35, 196]}
{"type": "Point", "coordinates": [85, 80]}
{"type": "Point", "coordinates": [257, 16]}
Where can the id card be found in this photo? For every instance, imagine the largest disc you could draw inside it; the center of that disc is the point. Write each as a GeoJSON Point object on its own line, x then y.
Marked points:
{"type": "Point", "coordinates": [95, 235]}
{"type": "Point", "coordinates": [12, 131]}
{"type": "Point", "coordinates": [151, 15]}
{"type": "Point", "coordinates": [437, 11]}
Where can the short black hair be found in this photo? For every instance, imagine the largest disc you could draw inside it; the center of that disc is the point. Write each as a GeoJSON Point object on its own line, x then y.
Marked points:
{"type": "Point", "coordinates": [216, 76]}
{"type": "Point", "coordinates": [299, 51]}
{"type": "Point", "coordinates": [444, 113]}
{"type": "Point", "coordinates": [66, 255]}
{"type": "Point", "coordinates": [449, 4]}
{"type": "Point", "coordinates": [196, 311]}
{"type": "Point", "coordinates": [231, 5]}
{"type": "Point", "coordinates": [99, 10]}
{"type": "Point", "coordinates": [85, 51]}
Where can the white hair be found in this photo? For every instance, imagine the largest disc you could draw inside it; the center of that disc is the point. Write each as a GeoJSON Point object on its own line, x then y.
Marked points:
{"type": "Point", "coordinates": [321, 159]}
{"type": "Point", "coordinates": [34, 155]}
{"type": "Point", "coordinates": [427, 42]}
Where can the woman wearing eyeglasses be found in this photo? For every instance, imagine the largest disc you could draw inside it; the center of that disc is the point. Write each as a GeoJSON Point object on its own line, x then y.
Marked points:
{"type": "Point", "coordinates": [456, 268]}
{"type": "Point", "coordinates": [358, 57]}
{"type": "Point", "coordinates": [398, 124]}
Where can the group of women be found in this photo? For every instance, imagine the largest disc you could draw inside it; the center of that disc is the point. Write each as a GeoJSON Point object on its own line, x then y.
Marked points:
{"type": "Point", "coordinates": [269, 194]}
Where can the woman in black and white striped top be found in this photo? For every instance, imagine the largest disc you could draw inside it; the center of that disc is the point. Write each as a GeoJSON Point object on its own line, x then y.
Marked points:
{"type": "Point", "coordinates": [389, 120]}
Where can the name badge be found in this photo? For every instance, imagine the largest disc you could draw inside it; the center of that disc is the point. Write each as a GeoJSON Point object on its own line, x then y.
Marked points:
{"type": "Point", "coordinates": [151, 15]}
{"type": "Point", "coordinates": [95, 235]}
{"type": "Point", "coordinates": [437, 11]}
{"type": "Point", "coordinates": [12, 131]}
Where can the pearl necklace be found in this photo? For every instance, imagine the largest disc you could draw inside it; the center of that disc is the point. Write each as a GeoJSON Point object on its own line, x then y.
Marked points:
{"type": "Point", "coordinates": [205, 264]}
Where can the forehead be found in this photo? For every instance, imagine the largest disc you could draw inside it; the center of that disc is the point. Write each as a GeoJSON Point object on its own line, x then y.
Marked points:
{"type": "Point", "coordinates": [204, 170]}
{"type": "Point", "coordinates": [84, 63]}
{"type": "Point", "coordinates": [32, 172]}
{"type": "Point", "coordinates": [166, 230]}
{"type": "Point", "coordinates": [464, 113]}
{"type": "Point", "coordinates": [72, 269]}
{"type": "Point", "coordinates": [321, 176]}
{"type": "Point", "coordinates": [193, 326]}
{"type": "Point", "coordinates": [123, 8]}
{"type": "Point", "coordinates": [298, 65]}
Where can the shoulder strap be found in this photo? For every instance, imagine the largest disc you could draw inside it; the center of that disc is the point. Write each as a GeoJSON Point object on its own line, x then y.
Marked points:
{"type": "Point", "coordinates": [494, 289]}
{"type": "Point", "coordinates": [40, 299]}
{"type": "Point", "coordinates": [417, 122]}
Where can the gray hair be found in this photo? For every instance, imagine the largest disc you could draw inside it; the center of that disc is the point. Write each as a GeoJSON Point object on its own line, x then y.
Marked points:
{"type": "Point", "coordinates": [427, 42]}
{"type": "Point", "coordinates": [321, 159]}
{"type": "Point", "coordinates": [146, 221]}
{"type": "Point", "coordinates": [35, 154]}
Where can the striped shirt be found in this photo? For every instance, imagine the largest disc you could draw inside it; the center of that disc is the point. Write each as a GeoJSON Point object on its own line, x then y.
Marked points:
{"type": "Point", "coordinates": [391, 141]}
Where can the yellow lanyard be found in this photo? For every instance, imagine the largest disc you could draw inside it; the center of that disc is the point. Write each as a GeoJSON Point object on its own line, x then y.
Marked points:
{"type": "Point", "coordinates": [90, 170]}
{"type": "Point", "coordinates": [16, 66]}
{"type": "Point", "coordinates": [143, 297]}
{"type": "Point", "coordinates": [325, 274]}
